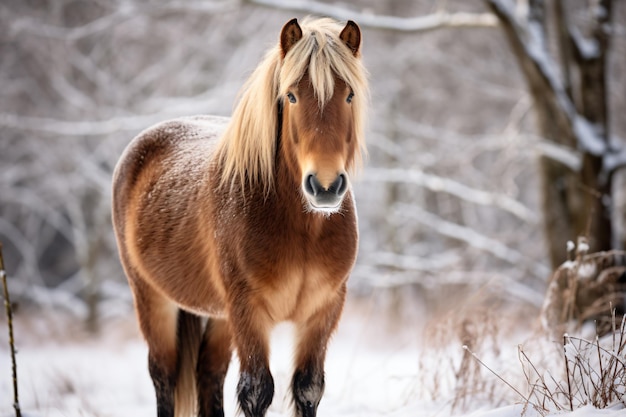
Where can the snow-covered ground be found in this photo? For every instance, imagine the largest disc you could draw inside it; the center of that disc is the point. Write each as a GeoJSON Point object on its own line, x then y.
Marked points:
{"type": "Point", "coordinates": [375, 367]}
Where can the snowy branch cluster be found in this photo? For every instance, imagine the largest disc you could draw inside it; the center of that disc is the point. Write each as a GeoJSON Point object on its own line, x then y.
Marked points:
{"type": "Point", "coordinates": [591, 135]}
{"type": "Point", "coordinates": [447, 198]}
{"type": "Point", "coordinates": [572, 68]}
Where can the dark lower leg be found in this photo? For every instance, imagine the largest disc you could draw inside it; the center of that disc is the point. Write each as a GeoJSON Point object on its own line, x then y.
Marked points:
{"type": "Point", "coordinates": [213, 360]}
{"type": "Point", "coordinates": [164, 384]}
{"type": "Point", "coordinates": [250, 329]}
{"type": "Point", "coordinates": [313, 335]}
{"type": "Point", "coordinates": [158, 322]}
{"type": "Point", "coordinates": [255, 391]}
{"type": "Point", "coordinates": [308, 387]}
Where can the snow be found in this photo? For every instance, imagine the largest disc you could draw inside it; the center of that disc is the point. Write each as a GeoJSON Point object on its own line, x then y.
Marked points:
{"type": "Point", "coordinates": [587, 270]}
{"type": "Point", "coordinates": [375, 367]}
{"type": "Point", "coordinates": [570, 246]}
{"type": "Point", "coordinates": [587, 47]}
{"type": "Point", "coordinates": [587, 135]}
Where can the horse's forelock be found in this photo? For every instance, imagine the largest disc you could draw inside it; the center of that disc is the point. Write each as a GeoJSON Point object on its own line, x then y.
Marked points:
{"type": "Point", "coordinates": [322, 53]}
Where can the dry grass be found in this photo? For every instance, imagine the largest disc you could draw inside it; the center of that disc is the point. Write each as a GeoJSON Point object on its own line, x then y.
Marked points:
{"type": "Point", "coordinates": [593, 373]}
{"type": "Point", "coordinates": [553, 377]}
{"type": "Point", "coordinates": [449, 369]}
{"type": "Point", "coordinates": [584, 372]}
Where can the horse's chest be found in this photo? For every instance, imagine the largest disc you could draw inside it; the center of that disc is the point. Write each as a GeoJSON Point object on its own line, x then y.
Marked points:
{"type": "Point", "coordinates": [298, 293]}
{"type": "Point", "coordinates": [307, 274]}
{"type": "Point", "coordinates": [292, 265]}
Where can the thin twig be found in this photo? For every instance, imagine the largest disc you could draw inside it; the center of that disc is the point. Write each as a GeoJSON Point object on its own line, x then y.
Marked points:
{"type": "Point", "coordinates": [497, 376]}
{"type": "Point", "coordinates": [7, 306]}
{"type": "Point", "coordinates": [603, 375]}
{"type": "Point", "coordinates": [567, 372]}
{"type": "Point", "coordinates": [544, 387]}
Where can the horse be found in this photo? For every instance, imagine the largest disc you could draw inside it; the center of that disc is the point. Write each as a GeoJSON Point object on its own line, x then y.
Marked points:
{"type": "Point", "coordinates": [226, 227]}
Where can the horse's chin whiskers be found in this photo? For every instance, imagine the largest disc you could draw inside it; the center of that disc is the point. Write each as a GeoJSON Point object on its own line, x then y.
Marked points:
{"type": "Point", "coordinates": [326, 210]}
{"type": "Point", "coordinates": [322, 211]}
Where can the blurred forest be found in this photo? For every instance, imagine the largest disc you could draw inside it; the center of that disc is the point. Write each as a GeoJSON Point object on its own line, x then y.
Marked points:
{"type": "Point", "coordinates": [450, 200]}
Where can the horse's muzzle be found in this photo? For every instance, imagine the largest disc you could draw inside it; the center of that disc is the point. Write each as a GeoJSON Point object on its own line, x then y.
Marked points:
{"type": "Point", "coordinates": [325, 199]}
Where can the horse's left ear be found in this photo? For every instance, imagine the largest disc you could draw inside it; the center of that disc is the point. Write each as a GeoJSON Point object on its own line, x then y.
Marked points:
{"type": "Point", "coordinates": [290, 34]}
{"type": "Point", "coordinates": [351, 36]}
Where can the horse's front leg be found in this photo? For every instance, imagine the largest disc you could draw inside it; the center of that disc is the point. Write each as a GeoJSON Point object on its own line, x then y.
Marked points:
{"type": "Point", "coordinates": [250, 329]}
{"type": "Point", "coordinates": [313, 335]}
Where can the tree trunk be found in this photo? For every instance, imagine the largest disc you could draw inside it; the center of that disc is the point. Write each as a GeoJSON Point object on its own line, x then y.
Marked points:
{"type": "Point", "coordinates": [575, 202]}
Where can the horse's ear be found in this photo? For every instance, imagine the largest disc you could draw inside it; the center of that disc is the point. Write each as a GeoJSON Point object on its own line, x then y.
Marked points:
{"type": "Point", "coordinates": [290, 34]}
{"type": "Point", "coordinates": [351, 36]}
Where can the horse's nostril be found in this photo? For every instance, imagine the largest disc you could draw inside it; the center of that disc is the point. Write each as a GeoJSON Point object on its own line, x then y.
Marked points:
{"type": "Point", "coordinates": [312, 185]}
{"type": "Point", "coordinates": [338, 186]}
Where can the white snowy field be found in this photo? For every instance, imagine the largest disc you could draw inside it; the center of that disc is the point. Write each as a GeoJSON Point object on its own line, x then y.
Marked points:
{"type": "Point", "coordinates": [375, 367]}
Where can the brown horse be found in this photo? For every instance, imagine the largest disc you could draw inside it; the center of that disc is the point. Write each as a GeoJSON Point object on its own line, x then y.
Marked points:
{"type": "Point", "coordinates": [248, 227]}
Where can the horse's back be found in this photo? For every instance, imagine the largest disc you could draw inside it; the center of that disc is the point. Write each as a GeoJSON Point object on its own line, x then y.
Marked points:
{"type": "Point", "coordinates": [158, 186]}
{"type": "Point", "coordinates": [163, 139]}
{"type": "Point", "coordinates": [166, 141]}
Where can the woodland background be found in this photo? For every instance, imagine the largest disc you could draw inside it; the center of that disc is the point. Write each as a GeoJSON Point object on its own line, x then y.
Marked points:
{"type": "Point", "coordinates": [451, 199]}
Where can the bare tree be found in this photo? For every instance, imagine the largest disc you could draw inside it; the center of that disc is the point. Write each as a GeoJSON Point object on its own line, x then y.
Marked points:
{"type": "Point", "coordinates": [571, 101]}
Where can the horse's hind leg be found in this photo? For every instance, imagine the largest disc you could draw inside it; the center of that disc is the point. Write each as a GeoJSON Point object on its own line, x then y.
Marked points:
{"type": "Point", "coordinates": [213, 360]}
{"type": "Point", "coordinates": [158, 322]}
{"type": "Point", "coordinates": [313, 336]}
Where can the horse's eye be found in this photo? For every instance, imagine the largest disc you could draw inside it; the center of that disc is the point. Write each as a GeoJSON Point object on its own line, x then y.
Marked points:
{"type": "Point", "coordinates": [291, 97]}
{"type": "Point", "coordinates": [350, 97]}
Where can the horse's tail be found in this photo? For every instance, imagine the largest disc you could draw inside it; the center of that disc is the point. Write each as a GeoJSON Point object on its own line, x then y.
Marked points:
{"type": "Point", "coordinates": [188, 336]}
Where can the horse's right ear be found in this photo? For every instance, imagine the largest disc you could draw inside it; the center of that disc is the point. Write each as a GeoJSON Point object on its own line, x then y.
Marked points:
{"type": "Point", "coordinates": [289, 36]}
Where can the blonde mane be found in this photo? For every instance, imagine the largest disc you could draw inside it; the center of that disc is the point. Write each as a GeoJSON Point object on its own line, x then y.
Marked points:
{"type": "Point", "coordinates": [248, 146]}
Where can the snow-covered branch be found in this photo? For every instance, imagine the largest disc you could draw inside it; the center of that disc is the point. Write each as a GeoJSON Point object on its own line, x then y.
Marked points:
{"type": "Point", "coordinates": [98, 127]}
{"type": "Point", "coordinates": [124, 12]}
{"type": "Point", "coordinates": [413, 263]}
{"type": "Point", "coordinates": [77, 128]}
{"type": "Point", "coordinates": [584, 48]}
{"type": "Point", "coordinates": [615, 160]}
{"type": "Point", "coordinates": [470, 236]}
{"type": "Point", "coordinates": [438, 20]}
{"type": "Point", "coordinates": [530, 47]}
{"type": "Point", "coordinates": [556, 152]}
{"type": "Point", "coordinates": [33, 26]}
{"type": "Point", "coordinates": [446, 185]}
{"type": "Point", "coordinates": [506, 285]}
